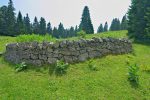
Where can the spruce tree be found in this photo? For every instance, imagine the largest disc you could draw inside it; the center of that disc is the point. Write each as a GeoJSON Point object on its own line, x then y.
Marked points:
{"type": "Point", "coordinates": [115, 25]}
{"type": "Point", "coordinates": [28, 29]}
{"type": "Point", "coordinates": [42, 26]}
{"type": "Point", "coordinates": [100, 29]}
{"type": "Point", "coordinates": [36, 26]}
{"type": "Point", "coordinates": [11, 19]}
{"type": "Point", "coordinates": [3, 21]}
{"type": "Point", "coordinates": [124, 23]}
{"type": "Point", "coordinates": [55, 33]}
{"type": "Point", "coordinates": [49, 28]}
{"type": "Point", "coordinates": [106, 27]}
{"type": "Point", "coordinates": [61, 31]}
{"type": "Point", "coordinates": [137, 18]}
{"type": "Point", "coordinates": [86, 23]}
{"type": "Point", "coordinates": [19, 27]}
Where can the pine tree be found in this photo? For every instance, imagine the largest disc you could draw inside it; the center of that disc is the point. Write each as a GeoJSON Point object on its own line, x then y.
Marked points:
{"type": "Point", "coordinates": [100, 29]}
{"type": "Point", "coordinates": [36, 26]}
{"type": "Point", "coordinates": [115, 25]}
{"type": "Point", "coordinates": [49, 28]}
{"type": "Point", "coordinates": [137, 19]}
{"type": "Point", "coordinates": [42, 26]}
{"type": "Point", "coordinates": [11, 19]}
{"type": "Point", "coordinates": [28, 29]}
{"type": "Point", "coordinates": [124, 23]}
{"type": "Point", "coordinates": [86, 23]}
{"type": "Point", "coordinates": [55, 33]}
{"type": "Point", "coordinates": [147, 19]}
{"type": "Point", "coordinates": [61, 31]}
{"type": "Point", "coordinates": [3, 21]}
{"type": "Point", "coordinates": [106, 27]}
{"type": "Point", "coordinates": [19, 27]}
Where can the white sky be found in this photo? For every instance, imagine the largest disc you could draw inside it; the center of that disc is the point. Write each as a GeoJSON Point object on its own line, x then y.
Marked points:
{"type": "Point", "coordinates": [69, 11]}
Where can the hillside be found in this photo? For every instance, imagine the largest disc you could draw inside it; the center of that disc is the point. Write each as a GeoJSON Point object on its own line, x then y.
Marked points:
{"type": "Point", "coordinates": [110, 82]}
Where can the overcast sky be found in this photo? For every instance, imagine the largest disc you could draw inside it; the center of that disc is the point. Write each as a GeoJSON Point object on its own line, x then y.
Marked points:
{"type": "Point", "coordinates": [69, 11]}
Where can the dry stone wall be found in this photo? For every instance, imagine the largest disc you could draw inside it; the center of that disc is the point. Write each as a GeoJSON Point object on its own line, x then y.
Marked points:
{"type": "Point", "coordinates": [69, 51]}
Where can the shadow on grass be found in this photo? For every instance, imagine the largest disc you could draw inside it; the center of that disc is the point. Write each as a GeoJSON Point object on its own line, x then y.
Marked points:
{"type": "Point", "coordinates": [143, 42]}
{"type": "Point", "coordinates": [134, 84]}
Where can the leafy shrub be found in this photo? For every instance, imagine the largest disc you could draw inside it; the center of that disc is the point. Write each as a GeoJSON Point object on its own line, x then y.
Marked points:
{"type": "Point", "coordinates": [133, 74]}
{"type": "Point", "coordinates": [92, 66]}
{"type": "Point", "coordinates": [21, 67]}
{"type": "Point", "coordinates": [61, 67]}
{"type": "Point", "coordinates": [81, 34]}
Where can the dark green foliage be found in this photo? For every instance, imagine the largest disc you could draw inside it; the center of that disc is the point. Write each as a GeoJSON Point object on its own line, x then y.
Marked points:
{"type": "Point", "coordinates": [115, 25]}
{"type": "Point", "coordinates": [42, 26]}
{"type": "Point", "coordinates": [19, 27]}
{"type": "Point", "coordinates": [133, 74]}
{"type": "Point", "coordinates": [100, 29]}
{"type": "Point", "coordinates": [124, 23]}
{"type": "Point", "coordinates": [138, 19]}
{"type": "Point", "coordinates": [3, 20]}
{"type": "Point", "coordinates": [36, 26]}
{"type": "Point", "coordinates": [55, 33]}
{"type": "Point", "coordinates": [61, 31]}
{"type": "Point", "coordinates": [27, 25]}
{"type": "Point", "coordinates": [106, 27]}
{"type": "Point", "coordinates": [21, 67]}
{"type": "Point", "coordinates": [147, 18]}
{"type": "Point", "coordinates": [49, 28]}
{"type": "Point", "coordinates": [86, 23]}
{"type": "Point", "coordinates": [10, 21]}
{"type": "Point", "coordinates": [61, 67]}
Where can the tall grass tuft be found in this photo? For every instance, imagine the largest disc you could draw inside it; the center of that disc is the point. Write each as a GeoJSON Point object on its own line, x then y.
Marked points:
{"type": "Point", "coordinates": [34, 37]}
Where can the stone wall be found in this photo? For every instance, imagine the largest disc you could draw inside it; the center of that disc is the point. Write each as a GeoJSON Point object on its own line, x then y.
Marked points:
{"type": "Point", "coordinates": [69, 51]}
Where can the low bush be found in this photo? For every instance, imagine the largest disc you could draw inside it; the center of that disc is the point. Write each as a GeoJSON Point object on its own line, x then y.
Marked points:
{"type": "Point", "coordinates": [92, 66]}
{"type": "Point", "coordinates": [21, 67]}
{"type": "Point", "coordinates": [61, 67]}
{"type": "Point", "coordinates": [81, 34]}
{"type": "Point", "coordinates": [133, 75]}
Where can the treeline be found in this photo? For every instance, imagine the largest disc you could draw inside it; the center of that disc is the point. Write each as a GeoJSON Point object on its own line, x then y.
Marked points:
{"type": "Point", "coordinates": [115, 25]}
{"type": "Point", "coordinates": [12, 25]}
{"type": "Point", "coordinates": [139, 19]}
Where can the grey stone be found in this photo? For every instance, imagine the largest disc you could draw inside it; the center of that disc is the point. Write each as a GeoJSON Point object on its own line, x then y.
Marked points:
{"type": "Point", "coordinates": [83, 57]}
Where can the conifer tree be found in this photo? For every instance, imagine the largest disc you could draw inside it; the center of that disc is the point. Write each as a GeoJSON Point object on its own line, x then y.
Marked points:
{"type": "Point", "coordinates": [36, 26]}
{"type": "Point", "coordinates": [86, 23]}
{"type": "Point", "coordinates": [28, 29]}
{"type": "Point", "coordinates": [100, 29]}
{"type": "Point", "coordinates": [138, 19]}
{"type": "Point", "coordinates": [124, 23]}
{"type": "Point", "coordinates": [106, 27]}
{"type": "Point", "coordinates": [42, 26]}
{"type": "Point", "coordinates": [3, 21]}
{"type": "Point", "coordinates": [61, 31]}
{"type": "Point", "coordinates": [49, 28]}
{"type": "Point", "coordinates": [19, 27]}
{"type": "Point", "coordinates": [55, 33]}
{"type": "Point", "coordinates": [11, 19]}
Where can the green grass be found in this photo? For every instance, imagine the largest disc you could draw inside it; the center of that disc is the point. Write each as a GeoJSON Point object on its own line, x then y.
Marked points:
{"type": "Point", "coordinates": [110, 82]}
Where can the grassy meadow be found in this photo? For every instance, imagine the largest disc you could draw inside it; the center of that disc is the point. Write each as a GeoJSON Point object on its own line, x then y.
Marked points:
{"type": "Point", "coordinates": [110, 82]}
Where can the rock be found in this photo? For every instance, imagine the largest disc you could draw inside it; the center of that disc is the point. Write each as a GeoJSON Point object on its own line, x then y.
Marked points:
{"type": "Point", "coordinates": [83, 57]}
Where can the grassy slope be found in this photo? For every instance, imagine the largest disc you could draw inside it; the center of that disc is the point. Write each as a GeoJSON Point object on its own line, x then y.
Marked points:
{"type": "Point", "coordinates": [109, 83]}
